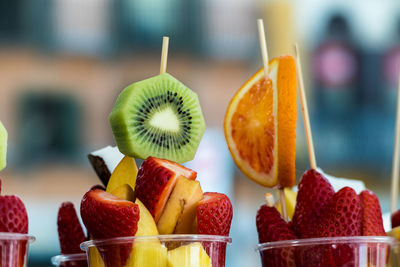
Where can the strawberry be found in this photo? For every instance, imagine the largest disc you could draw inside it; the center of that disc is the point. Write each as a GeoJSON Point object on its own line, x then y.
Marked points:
{"type": "Point", "coordinates": [214, 217]}
{"type": "Point", "coordinates": [271, 227]}
{"type": "Point", "coordinates": [395, 219]}
{"type": "Point", "coordinates": [70, 231]}
{"type": "Point", "coordinates": [13, 216]}
{"type": "Point", "coordinates": [315, 192]}
{"type": "Point", "coordinates": [106, 216]}
{"type": "Point", "coordinates": [155, 180]}
{"type": "Point", "coordinates": [342, 217]}
{"type": "Point", "coordinates": [371, 222]}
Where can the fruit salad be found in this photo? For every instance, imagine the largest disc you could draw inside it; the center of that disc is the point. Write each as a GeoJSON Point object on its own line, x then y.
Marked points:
{"type": "Point", "coordinates": [327, 228]}
{"type": "Point", "coordinates": [13, 220]}
{"type": "Point", "coordinates": [157, 214]}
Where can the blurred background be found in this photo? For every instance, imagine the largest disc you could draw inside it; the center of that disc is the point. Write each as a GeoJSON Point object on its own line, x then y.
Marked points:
{"type": "Point", "coordinates": [63, 63]}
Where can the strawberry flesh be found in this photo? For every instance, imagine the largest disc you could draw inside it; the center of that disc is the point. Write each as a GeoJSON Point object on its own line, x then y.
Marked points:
{"type": "Point", "coordinates": [106, 216]}
{"type": "Point", "coordinates": [271, 227]}
{"type": "Point", "coordinates": [314, 193]}
{"type": "Point", "coordinates": [70, 232]}
{"type": "Point", "coordinates": [155, 180]}
{"type": "Point", "coordinates": [372, 223]}
{"type": "Point", "coordinates": [395, 219]}
{"type": "Point", "coordinates": [214, 217]}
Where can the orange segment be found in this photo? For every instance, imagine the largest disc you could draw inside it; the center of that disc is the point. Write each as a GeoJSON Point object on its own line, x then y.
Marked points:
{"type": "Point", "coordinates": [260, 125]}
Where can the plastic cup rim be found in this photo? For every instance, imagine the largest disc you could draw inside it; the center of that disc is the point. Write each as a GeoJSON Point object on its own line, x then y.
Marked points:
{"type": "Point", "coordinates": [325, 241]}
{"type": "Point", "coordinates": [56, 260]}
{"type": "Point", "coordinates": [162, 238]}
{"type": "Point", "coordinates": [17, 236]}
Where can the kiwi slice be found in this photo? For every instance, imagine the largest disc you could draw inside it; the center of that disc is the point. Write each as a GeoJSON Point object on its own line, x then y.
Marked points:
{"type": "Point", "coordinates": [3, 146]}
{"type": "Point", "coordinates": [158, 117]}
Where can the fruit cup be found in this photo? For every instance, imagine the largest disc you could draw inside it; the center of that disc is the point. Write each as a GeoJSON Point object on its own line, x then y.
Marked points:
{"type": "Point", "coordinates": [161, 250]}
{"type": "Point", "coordinates": [355, 251]}
{"type": "Point", "coordinates": [70, 260]}
{"type": "Point", "coordinates": [14, 249]}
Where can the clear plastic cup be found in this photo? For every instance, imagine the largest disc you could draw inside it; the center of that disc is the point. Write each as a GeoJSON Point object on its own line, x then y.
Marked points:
{"type": "Point", "coordinates": [14, 249]}
{"type": "Point", "coordinates": [70, 260]}
{"type": "Point", "coordinates": [395, 254]}
{"type": "Point", "coordinates": [158, 251]}
{"type": "Point", "coordinates": [355, 251]}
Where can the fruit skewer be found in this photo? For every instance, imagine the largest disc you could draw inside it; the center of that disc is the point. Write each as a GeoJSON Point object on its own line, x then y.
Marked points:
{"type": "Point", "coordinates": [395, 165]}
{"type": "Point", "coordinates": [264, 52]}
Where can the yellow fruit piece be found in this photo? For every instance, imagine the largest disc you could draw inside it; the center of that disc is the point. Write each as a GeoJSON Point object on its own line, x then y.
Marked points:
{"type": "Point", "coordinates": [290, 196]}
{"type": "Point", "coordinates": [181, 206]}
{"type": "Point", "coordinates": [124, 192]}
{"type": "Point", "coordinates": [192, 255]}
{"type": "Point", "coordinates": [125, 173]}
{"type": "Point", "coordinates": [146, 223]}
{"type": "Point", "coordinates": [147, 254]}
{"type": "Point", "coordinates": [260, 125]}
{"type": "Point", "coordinates": [395, 232]}
{"type": "Point", "coordinates": [95, 258]}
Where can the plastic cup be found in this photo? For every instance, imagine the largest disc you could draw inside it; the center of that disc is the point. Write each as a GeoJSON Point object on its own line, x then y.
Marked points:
{"type": "Point", "coordinates": [14, 249]}
{"type": "Point", "coordinates": [355, 251]}
{"type": "Point", "coordinates": [395, 254]}
{"type": "Point", "coordinates": [70, 260]}
{"type": "Point", "coordinates": [158, 251]}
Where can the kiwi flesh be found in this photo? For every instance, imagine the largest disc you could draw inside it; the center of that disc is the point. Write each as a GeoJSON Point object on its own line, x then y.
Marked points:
{"type": "Point", "coordinates": [158, 117]}
{"type": "Point", "coordinates": [3, 146]}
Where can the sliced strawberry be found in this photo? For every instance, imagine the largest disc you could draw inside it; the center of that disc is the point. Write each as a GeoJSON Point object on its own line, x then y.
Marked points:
{"type": "Point", "coordinates": [70, 232]}
{"type": "Point", "coordinates": [372, 223]}
{"type": "Point", "coordinates": [155, 180]}
{"type": "Point", "coordinates": [271, 227]}
{"type": "Point", "coordinates": [106, 216]}
{"type": "Point", "coordinates": [395, 219]}
{"type": "Point", "coordinates": [315, 192]}
{"type": "Point", "coordinates": [214, 217]}
{"type": "Point", "coordinates": [13, 216]}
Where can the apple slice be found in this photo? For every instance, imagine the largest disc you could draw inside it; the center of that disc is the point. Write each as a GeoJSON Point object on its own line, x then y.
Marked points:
{"type": "Point", "coordinates": [155, 181]}
{"type": "Point", "coordinates": [181, 206]}
{"type": "Point", "coordinates": [192, 255]}
{"type": "Point", "coordinates": [125, 173]}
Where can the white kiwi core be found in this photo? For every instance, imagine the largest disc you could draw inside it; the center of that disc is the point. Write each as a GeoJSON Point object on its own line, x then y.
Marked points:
{"type": "Point", "coordinates": [165, 119]}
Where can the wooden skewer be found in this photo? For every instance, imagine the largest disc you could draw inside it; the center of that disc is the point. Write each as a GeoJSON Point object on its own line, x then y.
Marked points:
{"type": "Point", "coordinates": [264, 52]}
{"type": "Point", "coordinates": [263, 45]}
{"type": "Point", "coordinates": [164, 55]}
{"type": "Point", "coordinates": [304, 110]}
{"type": "Point", "coordinates": [395, 164]}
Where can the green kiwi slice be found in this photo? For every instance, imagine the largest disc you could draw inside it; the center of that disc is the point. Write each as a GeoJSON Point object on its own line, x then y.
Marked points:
{"type": "Point", "coordinates": [3, 146]}
{"type": "Point", "coordinates": [158, 117]}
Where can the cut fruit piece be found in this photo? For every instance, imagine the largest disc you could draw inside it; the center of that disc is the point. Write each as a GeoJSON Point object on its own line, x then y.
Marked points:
{"type": "Point", "coordinates": [290, 196]}
{"type": "Point", "coordinates": [155, 181]}
{"type": "Point", "coordinates": [104, 161]}
{"type": "Point", "coordinates": [395, 233]}
{"type": "Point", "coordinates": [95, 258]}
{"type": "Point", "coordinates": [149, 254]}
{"type": "Point", "coordinates": [3, 146]}
{"type": "Point", "coordinates": [181, 206]}
{"type": "Point", "coordinates": [260, 125]}
{"type": "Point", "coordinates": [158, 117]}
{"type": "Point", "coordinates": [125, 192]}
{"type": "Point", "coordinates": [70, 232]}
{"type": "Point", "coordinates": [124, 173]}
{"type": "Point", "coordinates": [192, 255]}
{"type": "Point", "coordinates": [214, 214]}
{"type": "Point", "coordinates": [146, 224]}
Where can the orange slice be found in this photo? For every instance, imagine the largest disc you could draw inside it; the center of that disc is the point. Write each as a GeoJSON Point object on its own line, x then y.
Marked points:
{"type": "Point", "coordinates": [260, 125]}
